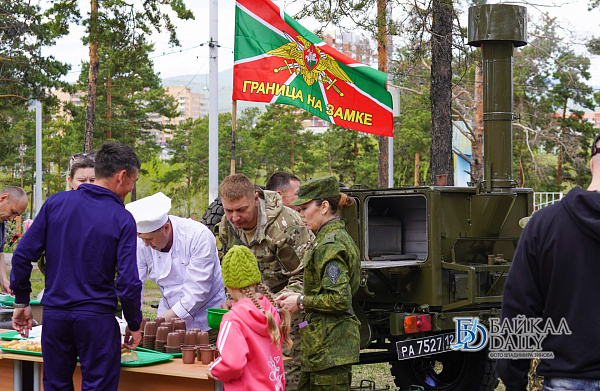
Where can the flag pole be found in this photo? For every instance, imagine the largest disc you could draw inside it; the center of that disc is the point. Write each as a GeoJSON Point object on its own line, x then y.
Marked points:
{"type": "Point", "coordinates": [233, 125]}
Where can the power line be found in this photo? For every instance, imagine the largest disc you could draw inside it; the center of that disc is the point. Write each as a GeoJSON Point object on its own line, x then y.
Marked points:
{"type": "Point", "coordinates": [164, 54]}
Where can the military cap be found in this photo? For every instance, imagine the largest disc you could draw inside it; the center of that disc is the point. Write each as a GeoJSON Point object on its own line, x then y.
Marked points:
{"type": "Point", "coordinates": [317, 189]}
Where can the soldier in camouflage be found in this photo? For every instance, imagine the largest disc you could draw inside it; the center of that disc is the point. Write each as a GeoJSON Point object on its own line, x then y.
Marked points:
{"type": "Point", "coordinates": [278, 238]}
{"type": "Point", "coordinates": [330, 332]}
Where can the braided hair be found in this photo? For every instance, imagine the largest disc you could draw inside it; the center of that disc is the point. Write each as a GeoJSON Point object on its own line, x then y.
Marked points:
{"type": "Point", "coordinates": [276, 333]}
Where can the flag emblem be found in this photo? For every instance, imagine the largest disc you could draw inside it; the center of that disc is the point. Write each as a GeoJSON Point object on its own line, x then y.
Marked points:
{"type": "Point", "coordinates": [310, 62]}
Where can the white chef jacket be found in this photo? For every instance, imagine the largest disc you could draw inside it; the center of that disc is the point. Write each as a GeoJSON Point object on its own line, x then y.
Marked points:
{"type": "Point", "coordinates": [189, 275]}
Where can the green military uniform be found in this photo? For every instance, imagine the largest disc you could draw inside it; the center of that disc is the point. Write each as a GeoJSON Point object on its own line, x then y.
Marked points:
{"type": "Point", "coordinates": [280, 243]}
{"type": "Point", "coordinates": [331, 336]}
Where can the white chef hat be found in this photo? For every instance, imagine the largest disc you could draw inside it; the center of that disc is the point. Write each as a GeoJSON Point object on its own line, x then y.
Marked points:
{"type": "Point", "coordinates": [150, 213]}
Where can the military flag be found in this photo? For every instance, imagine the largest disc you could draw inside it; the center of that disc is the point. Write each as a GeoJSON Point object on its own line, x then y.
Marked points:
{"type": "Point", "coordinates": [277, 60]}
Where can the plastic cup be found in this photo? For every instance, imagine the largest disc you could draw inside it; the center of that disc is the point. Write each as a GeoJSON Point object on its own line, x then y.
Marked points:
{"type": "Point", "coordinates": [188, 354]}
{"type": "Point", "coordinates": [179, 325]}
{"type": "Point", "coordinates": [161, 333]}
{"type": "Point", "coordinates": [143, 323]}
{"type": "Point", "coordinates": [202, 338]}
{"type": "Point", "coordinates": [173, 340]}
{"type": "Point", "coordinates": [181, 336]}
{"type": "Point", "coordinates": [190, 338]}
{"type": "Point", "coordinates": [207, 354]}
{"type": "Point", "coordinates": [150, 328]}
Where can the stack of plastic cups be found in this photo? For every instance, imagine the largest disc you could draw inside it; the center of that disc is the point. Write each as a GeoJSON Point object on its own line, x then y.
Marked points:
{"type": "Point", "coordinates": [173, 345]}
{"type": "Point", "coordinates": [143, 324]}
{"type": "Point", "coordinates": [161, 339]}
{"type": "Point", "coordinates": [181, 337]}
{"type": "Point", "coordinates": [188, 349]}
{"type": "Point", "coordinates": [149, 335]}
{"type": "Point", "coordinates": [178, 324]}
{"type": "Point", "coordinates": [205, 351]}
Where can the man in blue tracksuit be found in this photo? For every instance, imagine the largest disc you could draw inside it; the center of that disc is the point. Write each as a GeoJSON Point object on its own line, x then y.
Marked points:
{"type": "Point", "coordinates": [88, 236]}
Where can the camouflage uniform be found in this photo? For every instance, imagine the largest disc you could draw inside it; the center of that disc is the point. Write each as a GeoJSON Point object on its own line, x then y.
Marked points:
{"type": "Point", "coordinates": [331, 340]}
{"type": "Point", "coordinates": [280, 242]}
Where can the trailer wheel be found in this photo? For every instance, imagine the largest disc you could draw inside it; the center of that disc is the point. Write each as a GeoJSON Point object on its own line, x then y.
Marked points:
{"type": "Point", "coordinates": [213, 214]}
{"type": "Point", "coordinates": [447, 371]}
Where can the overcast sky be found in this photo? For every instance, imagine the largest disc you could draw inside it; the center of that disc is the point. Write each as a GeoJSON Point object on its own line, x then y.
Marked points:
{"type": "Point", "coordinates": [191, 59]}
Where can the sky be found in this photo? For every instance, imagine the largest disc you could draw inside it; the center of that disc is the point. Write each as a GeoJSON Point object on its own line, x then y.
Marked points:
{"type": "Point", "coordinates": [192, 59]}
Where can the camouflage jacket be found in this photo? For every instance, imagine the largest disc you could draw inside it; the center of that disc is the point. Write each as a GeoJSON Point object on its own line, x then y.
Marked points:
{"type": "Point", "coordinates": [279, 243]}
{"type": "Point", "coordinates": [331, 278]}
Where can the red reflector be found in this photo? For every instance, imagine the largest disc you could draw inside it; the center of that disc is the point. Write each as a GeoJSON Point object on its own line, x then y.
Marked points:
{"type": "Point", "coordinates": [417, 323]}
{"type": "Point", "coordinates": [425, 321]}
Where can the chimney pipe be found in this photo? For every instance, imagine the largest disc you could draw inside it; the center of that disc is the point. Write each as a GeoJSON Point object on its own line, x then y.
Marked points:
{"type": "Point", "coordinates": [497, 29]}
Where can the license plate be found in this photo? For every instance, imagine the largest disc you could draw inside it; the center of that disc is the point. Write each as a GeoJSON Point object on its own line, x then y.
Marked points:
{"type": "Point", "coordinates": [424, 346]}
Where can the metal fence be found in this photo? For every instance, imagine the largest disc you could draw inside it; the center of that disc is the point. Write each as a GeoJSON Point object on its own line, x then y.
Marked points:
{"type": "Point", "coordinates": [542, 199]}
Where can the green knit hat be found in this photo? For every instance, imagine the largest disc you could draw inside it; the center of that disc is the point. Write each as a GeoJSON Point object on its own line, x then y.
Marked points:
{"type": "Point", "coordinates": [240, 268]}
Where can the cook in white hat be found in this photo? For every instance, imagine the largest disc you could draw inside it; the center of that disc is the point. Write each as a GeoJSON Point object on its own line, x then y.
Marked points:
{"type": "Point", "coordinates": [180, 255]}
{"type": "Point", "coordinates": [150, 213]}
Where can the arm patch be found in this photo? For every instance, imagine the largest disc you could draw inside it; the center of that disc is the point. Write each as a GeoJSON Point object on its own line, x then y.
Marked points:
{"type": "Point", "coordinates": [333, 272]}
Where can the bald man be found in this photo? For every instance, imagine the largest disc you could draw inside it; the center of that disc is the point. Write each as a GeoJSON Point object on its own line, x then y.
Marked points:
{"type": "Point", "coordinates": [13, 202]}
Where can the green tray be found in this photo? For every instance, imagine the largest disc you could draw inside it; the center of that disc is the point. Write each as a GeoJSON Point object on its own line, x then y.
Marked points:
{"type": "Point", "coordinates": [9, 300]}
{"type": "Point", "coordinates": [148, 358]}
{"type": "Point", "coordinates": [145, 357]}
{"type": "Point", "coordinates": [11, 335]}
{"type": "Point", "coordinates": [19, 351]}
{"type": "Point", "coordinates": [140, 349]}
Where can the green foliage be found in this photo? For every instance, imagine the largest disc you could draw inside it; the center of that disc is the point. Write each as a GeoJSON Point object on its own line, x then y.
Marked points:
{"type": "Point", "coordinates": [24, 72]}
{"type": "Point", "coordinates": [129, 94]}
{"type": "Point", "coordinates": [551, 135]}
{"type": "Point", "coordinates": [413, 136]}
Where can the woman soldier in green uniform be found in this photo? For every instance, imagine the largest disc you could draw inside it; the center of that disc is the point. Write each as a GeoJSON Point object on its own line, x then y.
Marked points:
{"type": "Point", "coordinates": [330, 339]}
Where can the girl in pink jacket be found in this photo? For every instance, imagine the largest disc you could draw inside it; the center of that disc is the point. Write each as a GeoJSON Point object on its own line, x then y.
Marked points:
{"type": "Point", "coordinates": [252, 333]}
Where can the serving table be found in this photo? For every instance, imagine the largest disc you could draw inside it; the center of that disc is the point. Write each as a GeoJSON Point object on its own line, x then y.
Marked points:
{"type": "Point", "coordinates": [173, 375]}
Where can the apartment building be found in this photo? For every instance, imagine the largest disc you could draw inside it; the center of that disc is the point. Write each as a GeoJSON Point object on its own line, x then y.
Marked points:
{"type": "Point", "coordinates": [593, 117]}
{"type": "Point", "coordinates": [190, 105]}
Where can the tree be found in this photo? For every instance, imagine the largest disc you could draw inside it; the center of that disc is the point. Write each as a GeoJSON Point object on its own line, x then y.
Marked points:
{"type": "Point", "coordinates": [110, 16]}
{"type": "Point", "coordinates": [441, 169]}
{"type": "Point", "coordinates": [413, 138]}
{"type": "Point", "coordinates": [187, 175]}
{"type": "Point", "coordinates": [24, 72]}
{"type": "Point", "coordinates": [279, 139]}
{"type": "Point", "coordinates": [129, 93]}
{"type": "Point", "coordinates": [550, 78]}
{"type": "Point", "coordinates": [351, 156]}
